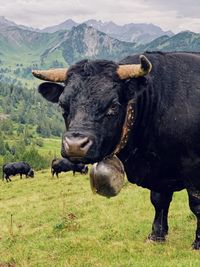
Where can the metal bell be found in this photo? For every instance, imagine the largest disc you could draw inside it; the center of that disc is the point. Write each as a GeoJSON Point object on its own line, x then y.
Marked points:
{"type": "Point", "coordinates": [107, 177]}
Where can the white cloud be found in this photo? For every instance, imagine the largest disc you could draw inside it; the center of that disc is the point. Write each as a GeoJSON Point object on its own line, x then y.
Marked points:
{"type": "Point", "coordinates": [183, 8]}
{"type": "Point", "coordinates": [175, 15]}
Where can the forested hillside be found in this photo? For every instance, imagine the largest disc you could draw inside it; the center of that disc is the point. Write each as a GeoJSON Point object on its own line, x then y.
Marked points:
{"type": "Point", "coordinates": [26, 107]}
{"type": "Point", "coordinates": [25, 119]}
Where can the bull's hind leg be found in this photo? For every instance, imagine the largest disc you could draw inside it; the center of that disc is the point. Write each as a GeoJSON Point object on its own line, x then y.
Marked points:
{"type": "Point", "coordinates": [161, 202]}
{"type": "Point", "coordinates": [194, 202]}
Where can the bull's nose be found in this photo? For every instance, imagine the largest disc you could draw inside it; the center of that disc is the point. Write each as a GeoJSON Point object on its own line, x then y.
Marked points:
{"type": "Point", "coordinates": [76, 146]}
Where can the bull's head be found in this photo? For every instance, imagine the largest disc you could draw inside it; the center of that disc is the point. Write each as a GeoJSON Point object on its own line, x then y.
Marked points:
{"type": "Point", "coordinates": [94, 101]}
{"type": "Point", "coordinates": [31, 173]}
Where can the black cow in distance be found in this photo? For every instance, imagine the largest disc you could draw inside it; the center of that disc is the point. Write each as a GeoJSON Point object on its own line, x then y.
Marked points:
{"type": "Point", "coordinates": [11, 169]}
{"type": "Point", "coordinates": [64, 165]}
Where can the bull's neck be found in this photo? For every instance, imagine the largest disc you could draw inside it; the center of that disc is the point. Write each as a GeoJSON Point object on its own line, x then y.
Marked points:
{"type": "Point", "coordinates": [145, 107]}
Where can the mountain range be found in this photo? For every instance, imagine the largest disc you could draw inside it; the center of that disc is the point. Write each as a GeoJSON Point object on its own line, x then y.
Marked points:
{"type": "Point", "coordinates": [132, 32]}
{"type": "Point", "coordinates": [23, 48]}
{"type": "Point", "coordinates": [138, 33]}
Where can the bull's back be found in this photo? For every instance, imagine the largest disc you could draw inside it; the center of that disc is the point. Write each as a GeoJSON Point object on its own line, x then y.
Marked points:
{"type": "Point", "coordinates": [179, 90]}
{"type": "Point", "coordinates": [175, 77]}
{"type": "Point", "coordinates": [16, 167]}
{"type": "Point", "coordinates": [61, 165]}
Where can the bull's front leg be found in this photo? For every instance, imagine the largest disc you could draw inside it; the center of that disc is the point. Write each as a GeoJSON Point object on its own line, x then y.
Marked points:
{"type": "Point", "coordinates": [8, 179]}
{"type": "Point", "coordinates": [194, 202]}
{"type": "Point", "coordinates": [161, 203]}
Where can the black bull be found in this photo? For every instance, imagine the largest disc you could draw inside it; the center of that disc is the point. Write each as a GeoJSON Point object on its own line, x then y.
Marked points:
{"type": "Point", "coordinates": [13, 168]}
{"type": "Point", "coordinates": [64, 165]}
{"type": "Point", "coordinates": [163, 148]}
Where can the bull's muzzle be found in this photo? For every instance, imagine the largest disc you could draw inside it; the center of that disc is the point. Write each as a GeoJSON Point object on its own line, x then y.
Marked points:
{"type": "Point", "coordinates": [76, 147]}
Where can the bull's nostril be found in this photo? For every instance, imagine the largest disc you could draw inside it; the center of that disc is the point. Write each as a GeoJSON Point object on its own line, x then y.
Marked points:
{"type": "Point", "coordinates": [75, 134]}
{"type": "Point", "coordinates": [85, 142]}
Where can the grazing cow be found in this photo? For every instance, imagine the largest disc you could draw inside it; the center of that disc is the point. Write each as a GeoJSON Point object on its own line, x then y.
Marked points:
{"type": "Point", "coordinates": [64, 165]}
{"type": "Point", "coordinates": [11, 169]}
{"type": "Point", "coordinates": [160, 149]}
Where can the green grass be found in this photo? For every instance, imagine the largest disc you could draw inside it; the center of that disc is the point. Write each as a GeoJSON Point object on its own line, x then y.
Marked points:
{"type": "Point", "coordinates": [51, 145]}
{"type": "Point", "coordinates": [51, 148]}
{"type": "Point", "coordinates": [59, 222]}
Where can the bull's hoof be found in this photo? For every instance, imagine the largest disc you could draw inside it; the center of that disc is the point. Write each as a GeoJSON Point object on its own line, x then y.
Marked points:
{"type": "Point", "coordinates": [196, 245]}
{"type": "Point", "coordinates": [153, 237]}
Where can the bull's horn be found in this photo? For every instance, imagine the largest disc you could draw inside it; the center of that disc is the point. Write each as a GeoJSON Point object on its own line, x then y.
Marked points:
{"type": "Point", "coordinates": [135, 70]}
{"type": "Point", "coordinates": [52, 75]}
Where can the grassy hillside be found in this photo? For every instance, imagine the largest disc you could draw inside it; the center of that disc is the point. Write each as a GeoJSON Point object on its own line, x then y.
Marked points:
{"type": "Point", "coordinates": [59, 222]}
{"type": "Point", "coordinates": [26, 47]}
{"type": "Point", "coordinates": [183, 41]}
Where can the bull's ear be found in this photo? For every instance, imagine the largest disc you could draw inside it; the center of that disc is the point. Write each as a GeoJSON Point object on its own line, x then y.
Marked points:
{"type": "Point", "coordinates": [51, 91]}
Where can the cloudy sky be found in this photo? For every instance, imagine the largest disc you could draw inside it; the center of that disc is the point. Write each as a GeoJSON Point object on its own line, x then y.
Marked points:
{"type": "Point", "coordinates": [175, 15]}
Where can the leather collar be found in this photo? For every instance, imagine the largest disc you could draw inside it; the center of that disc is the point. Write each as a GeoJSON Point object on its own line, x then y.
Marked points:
{"type": "Point", "coordinates": [128, 123]}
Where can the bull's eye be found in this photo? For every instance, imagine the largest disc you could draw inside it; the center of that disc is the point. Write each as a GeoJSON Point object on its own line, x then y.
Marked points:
{"type": "Point", "coordinates": [113, 109]}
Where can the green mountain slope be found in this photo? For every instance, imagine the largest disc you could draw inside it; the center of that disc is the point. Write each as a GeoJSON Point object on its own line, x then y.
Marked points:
{"type": "Point", "coordinates": [26, 47]}
{"type": "Point", "coordinates": [23, 50]}
{"type": "Point", "coordinates": [86, 42]}
{"type": "Point", "coordinates": [183, 41]}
